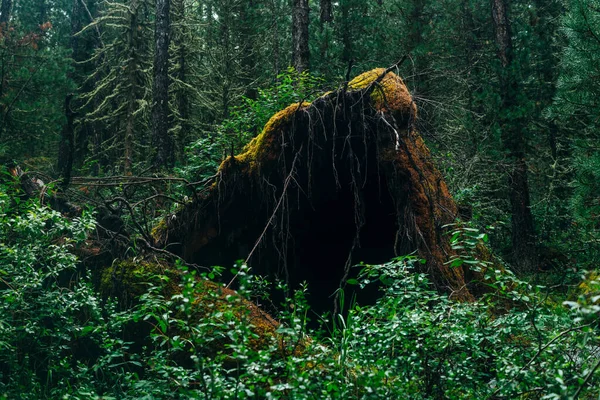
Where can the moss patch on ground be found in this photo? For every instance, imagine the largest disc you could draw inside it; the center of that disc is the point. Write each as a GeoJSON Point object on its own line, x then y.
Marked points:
{"type": "Point", "coordinates": [128, 280]}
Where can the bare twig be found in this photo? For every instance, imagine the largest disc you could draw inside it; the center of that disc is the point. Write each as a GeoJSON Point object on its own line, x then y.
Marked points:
{"type": "Point", "coordinates": [376, 82]}
{"type": "Point", "coordinates": [92, 21]}
{"type": "Point", "coordinates": [586, 380]}
{"type": "Point", "coordinates": [168, 253]}
{"type": "Point", "coordinates": [135, 222]}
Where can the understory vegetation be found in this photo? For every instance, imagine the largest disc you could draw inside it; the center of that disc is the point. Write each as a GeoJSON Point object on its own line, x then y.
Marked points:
{"type": "Point", "coordinates": [61, 337]}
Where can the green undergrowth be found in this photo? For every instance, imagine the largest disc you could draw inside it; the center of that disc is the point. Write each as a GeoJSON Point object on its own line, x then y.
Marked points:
{"type": "Point", "coordinates": [63, 337]}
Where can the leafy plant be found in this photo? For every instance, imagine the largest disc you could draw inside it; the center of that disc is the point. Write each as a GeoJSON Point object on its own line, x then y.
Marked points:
{"type": "Point", "coordinates": [58, 339]}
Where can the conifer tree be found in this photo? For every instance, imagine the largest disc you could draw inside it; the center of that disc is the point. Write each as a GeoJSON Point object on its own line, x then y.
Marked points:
{"type": "Point", "coordinates": [300, 48]}
{"type": "Point", "coordinates": [120, 98]}
{"type": "Point", "coordinates": [33, 79]}
{"type": "Point", "coordinates": [163, 143]}
{"type": "Point", "coordinates": [513, 136]}
{"type": "Point", "coordinates": [577, 108]}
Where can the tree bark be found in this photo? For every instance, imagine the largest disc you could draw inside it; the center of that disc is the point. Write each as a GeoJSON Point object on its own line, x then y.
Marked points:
{"type": "Point", "coordinates": [300, 50]}
{"type": "Point", "coordinates": [418, 20]}
{"type": "Point", "coordinates": [5, 10]}
{"type": "Point", "coordinates": [226, 19]}
{"type": "Point", "coordinates": [326, 11]}
{"type": "Point", "coordinates": [514, 142]}
{"type": "Point", "coordinates": [160, 110]}
{"type": "Point", "coordinates": [83, 47]}
{"type": "Point", "coordinates": [179, 93]}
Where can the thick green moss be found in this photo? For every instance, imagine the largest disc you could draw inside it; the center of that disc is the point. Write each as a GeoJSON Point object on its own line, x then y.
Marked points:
{"type": "Point", "coordinates": [388, 95]}
{"type": "Point", "coordinates": [127, 280]}
{"type": "Point", "coordinates": [263, 147]}
{"type": "Point", "coordinates": [159, 231]}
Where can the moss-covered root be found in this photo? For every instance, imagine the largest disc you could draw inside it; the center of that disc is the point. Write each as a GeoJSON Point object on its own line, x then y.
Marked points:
{"type": "Point", "coordinates": [128, 280]}
{"type": "Point", "coordinates": [390, 94]}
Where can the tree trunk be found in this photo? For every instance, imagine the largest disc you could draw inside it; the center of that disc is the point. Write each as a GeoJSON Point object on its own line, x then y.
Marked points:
{"type": "Point", "coordinates": [131, 96]}
{"type": "Point", "coordinates": [66, 148]}
{"type": "Point", "coordinates": [160, 108]}
{"type": "Point", "coordinates": [347, 50]}
{"type": "Point", "coordinates": [226, 22]}
{"type": "Point", "coordinates": [182, 103]}
{"type": "Point", "coordinates": [43, 12]}
{"type": "Point", "coordinates": [418, 20]}
{"type": "Point", "coordinates": [83, 47]}
{"type": "Point", "coordinates": [276, 39]}
{"type": "Point", "coordinates": [5, 10]}
{"type": "Point", "coordinates": [514, 142]}
{"type": "Point", "coordinates": [129, 130]}
{"type": "Point", "coordinates": [248, 24]}
{"type": "Point", "coordinates": [300, 51]}
{"type": "Point", "coordinates": [326, 11]}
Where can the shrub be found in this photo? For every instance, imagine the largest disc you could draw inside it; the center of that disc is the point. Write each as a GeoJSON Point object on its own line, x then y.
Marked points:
{"type": "Point", "coordinates": [60, 339]}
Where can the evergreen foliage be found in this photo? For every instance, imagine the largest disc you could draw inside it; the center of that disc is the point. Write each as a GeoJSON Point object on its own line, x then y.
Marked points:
{"type": "Point", "coordinates": [577, 108]}
{"type": "Point", "coordinates": [120, 99]}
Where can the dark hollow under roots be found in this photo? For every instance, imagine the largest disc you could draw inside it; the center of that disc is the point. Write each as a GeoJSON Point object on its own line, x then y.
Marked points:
{"type": "Point", "coordinates": [326, 186]}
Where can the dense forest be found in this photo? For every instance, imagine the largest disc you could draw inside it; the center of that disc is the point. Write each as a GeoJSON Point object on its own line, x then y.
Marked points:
{"type": "Point", "coordinates": [300, 199]}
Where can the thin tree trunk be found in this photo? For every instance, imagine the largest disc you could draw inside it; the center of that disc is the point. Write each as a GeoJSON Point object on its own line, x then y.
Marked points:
{"type": "Point", "coordinates": [66, 148]}
{"type": "Point", "coordinates": [513, 140]}
{"type": "Point", "coordinates": [160, 109]}
{"type": "Point", "coordinates": [67, 145]}
{"type": "Point", "coordinates": [183, 104]}
{"type": "Point", "coordinates": [347, 51]}
{"type": "Point", "coordinates": [132, 68]}
{"type": "Point", "coordinates": [129, 129]}
{"type": "Point", "coordinates": [417, 43]}
{"type": "Point", "coordinates": [181, 98]}
{"type": "Point", "coordinates": [83, 47]}
{"type": "Point", "coordinates": [326, 11]}
{"type": "Point", "coordinates": [226, 21]}
{"type": "Point", "coordinates": [247, 14]}
{"type": "Point", "coordinates": [5, 10]}
{"type": "Point", "coordinates": [275, 11]}
{"type": "Point", "coordinates": [43, 10]}
{"type": "Point", "coordinates": [300, 50]}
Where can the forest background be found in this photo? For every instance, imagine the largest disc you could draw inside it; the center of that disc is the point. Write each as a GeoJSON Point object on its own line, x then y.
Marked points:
{"type": "Point", "coordinates": [127, 86]}
{"type": "Point", "coordinates": [507, 90]}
